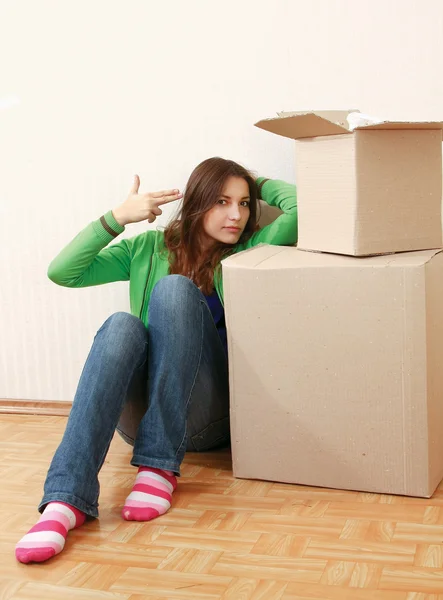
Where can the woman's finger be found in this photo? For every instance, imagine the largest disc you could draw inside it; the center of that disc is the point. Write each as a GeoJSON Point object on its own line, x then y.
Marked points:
{"type": "Point", "coordinates": [135, 185]}
{"type": "Point", "coordinates": [166, 196]}
{"type": "Point", "coordinates": [170, 198]}
{"type": "Point", "coordinates": [163, 193]}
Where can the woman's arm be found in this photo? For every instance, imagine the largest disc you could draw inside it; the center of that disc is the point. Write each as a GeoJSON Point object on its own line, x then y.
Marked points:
{"type": "Point", "coordinates": [86, 261]}
{"type": "Point", "coordinates": [282, 231]}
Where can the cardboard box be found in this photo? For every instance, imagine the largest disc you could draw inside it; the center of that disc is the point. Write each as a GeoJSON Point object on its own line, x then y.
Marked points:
{"type": "Point", "coordinates": [374, 190]}
{"type": "Point", "coordinates": [336, 368]}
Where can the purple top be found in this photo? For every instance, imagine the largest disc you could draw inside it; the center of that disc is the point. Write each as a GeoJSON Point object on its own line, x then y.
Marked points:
{"type": "Point", "coordinates": [218, 314]}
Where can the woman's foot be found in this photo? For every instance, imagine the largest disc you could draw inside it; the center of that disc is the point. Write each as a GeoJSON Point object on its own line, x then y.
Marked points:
{"type": "Point", "coordinates": [151, 495]}
{"type": "Point", "coordinates": [47, 538]}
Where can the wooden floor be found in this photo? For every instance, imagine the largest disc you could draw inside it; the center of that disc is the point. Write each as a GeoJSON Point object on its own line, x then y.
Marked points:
{"type": "Point", "coordinates": [222, 539]}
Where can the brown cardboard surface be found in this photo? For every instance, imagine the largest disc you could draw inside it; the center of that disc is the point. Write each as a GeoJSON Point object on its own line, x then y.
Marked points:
{"type": "Point", "coordinates": [434, 334]}
{"type": "Point", "coordinates": [335, 368]}
{"type": "Point", "coordinates": [302, 126]}
{"type": "Point", "coordinates": [405, 125]}
{"type": "Point", "coordinates": [373, 192]}
{"type": "Point", "coordinates": [308, 124]}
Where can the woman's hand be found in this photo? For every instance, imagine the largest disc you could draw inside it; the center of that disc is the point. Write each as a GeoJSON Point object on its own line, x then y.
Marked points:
{"type": "Point", "coordinates": [141, 207]}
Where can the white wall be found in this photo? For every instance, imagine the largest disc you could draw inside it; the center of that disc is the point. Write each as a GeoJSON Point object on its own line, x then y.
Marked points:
{"type": "Point", "coordinates": [94, 91]}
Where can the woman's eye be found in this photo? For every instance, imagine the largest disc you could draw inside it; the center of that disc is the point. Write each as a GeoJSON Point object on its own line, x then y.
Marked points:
{"type": "Point", "coordinates": [245, 203]}
{"type": "Point", "coordinates": [221, 201]}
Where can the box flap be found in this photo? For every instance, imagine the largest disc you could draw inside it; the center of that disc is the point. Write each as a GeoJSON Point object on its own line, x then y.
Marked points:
{"type": "Point", "coordinates": [404, 125]}
{"type": "Point", "coordinates": [252, 257]}
{"type": "Point", "coordinates": [289, 257]}
{"type": "Point", "coordinates": [298, 125]}
{"type": "Point", "coordinates": [307, 124]}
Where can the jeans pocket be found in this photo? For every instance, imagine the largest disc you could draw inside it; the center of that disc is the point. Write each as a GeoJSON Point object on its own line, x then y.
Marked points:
{"type": "Point", "coordinates": [215, 435]}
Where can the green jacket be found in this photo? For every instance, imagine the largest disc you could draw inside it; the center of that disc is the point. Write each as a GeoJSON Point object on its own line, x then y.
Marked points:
{"type": "Point", "coordinates": [88, 260]}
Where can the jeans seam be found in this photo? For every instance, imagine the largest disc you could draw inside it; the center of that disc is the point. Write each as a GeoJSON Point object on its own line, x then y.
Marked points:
{"type": "Point", "coordinates": [127, 438]}
{"type": "Point", "coordinates": [79, 503]}
{"type": "Point", "coordinates": [212, 445]}
{"type": "Point", "coordinates": [156, 463]}
{"type": "Point", "coordinates": [183, 442]}
{"type": "Point", "coordinates": [210, 426]}
{"type": "Point", "coordinates": [220, 437]}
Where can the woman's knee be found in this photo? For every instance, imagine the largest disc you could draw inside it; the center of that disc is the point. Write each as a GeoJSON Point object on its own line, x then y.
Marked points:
{"type": "Point", "coordinates": [123, 332]}
{"type": "Point", "coordinates": [174, 292]}
{"type": "Point", "coordinates": [173, 284]}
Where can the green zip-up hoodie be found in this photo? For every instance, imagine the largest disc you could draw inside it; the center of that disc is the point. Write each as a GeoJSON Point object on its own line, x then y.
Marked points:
{"type": "Point", "coordinates": [143, 259]}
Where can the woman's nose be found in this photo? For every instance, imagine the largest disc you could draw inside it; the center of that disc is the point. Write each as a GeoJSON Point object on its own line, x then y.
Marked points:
{"type": "Point", "coordinates": [234, 214]}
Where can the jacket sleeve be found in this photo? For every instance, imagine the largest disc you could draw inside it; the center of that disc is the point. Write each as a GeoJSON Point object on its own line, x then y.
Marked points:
{"type": "Point", "coordinates": [86, 261]}
{"type": "Point", "coordinates": [283, 231]}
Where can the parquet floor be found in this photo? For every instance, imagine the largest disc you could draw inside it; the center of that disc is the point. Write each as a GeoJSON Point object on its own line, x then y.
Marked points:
{"type": "Point", "coordinates": [223, 538]}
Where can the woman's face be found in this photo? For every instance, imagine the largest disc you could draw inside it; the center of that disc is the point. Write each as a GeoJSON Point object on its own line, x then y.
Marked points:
{"type": "Point", "coordinates": [226, 221]}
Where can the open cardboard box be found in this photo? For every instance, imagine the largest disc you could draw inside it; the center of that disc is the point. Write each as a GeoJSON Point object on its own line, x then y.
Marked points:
{"type": "Point", "coordinates": [374, 190]}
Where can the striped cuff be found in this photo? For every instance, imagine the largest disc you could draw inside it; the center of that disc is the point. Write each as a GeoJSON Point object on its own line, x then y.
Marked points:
{"type": "Point", "coordinates": [107, 226]}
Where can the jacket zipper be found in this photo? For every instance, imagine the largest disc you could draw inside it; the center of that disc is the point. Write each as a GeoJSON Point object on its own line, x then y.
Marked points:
{"type": "Point", "coordinates": [146, 287]}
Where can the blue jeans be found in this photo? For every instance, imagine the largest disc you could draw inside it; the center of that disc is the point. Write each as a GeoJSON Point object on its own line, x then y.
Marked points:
{"type": "Point", "coordinates": [165, 389]}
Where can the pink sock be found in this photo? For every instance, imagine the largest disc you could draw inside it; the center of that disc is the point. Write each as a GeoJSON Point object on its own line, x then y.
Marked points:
{"type": "Point", "coordinates": [151, 495]}
{"type": "Point", "coordinates": [47, 538]}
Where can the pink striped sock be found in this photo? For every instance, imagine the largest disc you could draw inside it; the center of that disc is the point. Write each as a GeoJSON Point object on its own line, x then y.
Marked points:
{"type": "Point", "coordinates": [151, 495]}
{"type": "Point", "coordinates": [47, 538]}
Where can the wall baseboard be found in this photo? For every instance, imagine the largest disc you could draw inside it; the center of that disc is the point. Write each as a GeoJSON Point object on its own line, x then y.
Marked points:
{"type": "Point", "coordinates": [33, 407]}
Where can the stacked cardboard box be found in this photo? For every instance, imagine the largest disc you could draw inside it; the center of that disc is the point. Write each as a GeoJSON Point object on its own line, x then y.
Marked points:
{"type": "Point", "coordinates": [336, 347]}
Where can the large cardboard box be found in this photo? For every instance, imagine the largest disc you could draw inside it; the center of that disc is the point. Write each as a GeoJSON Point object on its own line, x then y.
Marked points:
{"type": "Point", "coordinates": [336, 368]}
{"type": "Point", "coordinates": [374, 190]}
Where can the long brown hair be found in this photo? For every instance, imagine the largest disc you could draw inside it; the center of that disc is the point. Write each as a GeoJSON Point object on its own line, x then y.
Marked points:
{"type": "Point", "coordinates": [183, 235]}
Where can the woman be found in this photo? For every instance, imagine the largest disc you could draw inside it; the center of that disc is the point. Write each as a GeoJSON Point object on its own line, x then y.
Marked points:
{"type": "Point", "coordinates": [160, 374]}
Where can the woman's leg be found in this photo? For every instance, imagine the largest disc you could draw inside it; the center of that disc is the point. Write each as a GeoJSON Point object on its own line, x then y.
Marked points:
{"type": "Point", "coordinates": [119, 349]}
{"type": "Point", "coordinates": [187, 382]}
{"type": "Point", "coordinates": [118, 354]}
